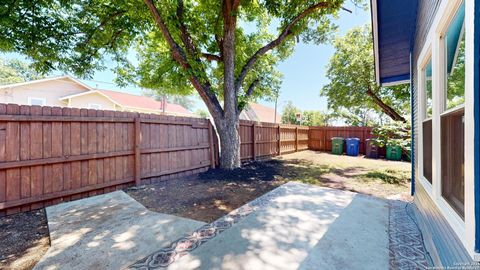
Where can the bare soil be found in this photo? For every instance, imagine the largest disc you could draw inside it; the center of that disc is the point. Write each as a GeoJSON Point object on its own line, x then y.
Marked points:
{"type": "Point", "coordinates": [215, 193]}
{"type": "Point", "coordinates": [211, 195]}
{"type": "Point", "coordinates": [24, 239]}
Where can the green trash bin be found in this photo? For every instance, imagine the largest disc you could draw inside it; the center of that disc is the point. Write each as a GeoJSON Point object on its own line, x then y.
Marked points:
{"type": "Point", "coordinates": [394, 152]}
{"type": "Point", "coordinates": [337, 145]}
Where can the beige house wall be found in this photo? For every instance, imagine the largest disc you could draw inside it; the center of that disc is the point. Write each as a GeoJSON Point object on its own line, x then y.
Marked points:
{"type": "Point", "coordinates": [84, 101]}
{"type": "Point", "coordinates": [51, 91]}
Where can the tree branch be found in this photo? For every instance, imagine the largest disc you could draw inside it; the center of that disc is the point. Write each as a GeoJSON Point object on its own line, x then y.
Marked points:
{"type": "Point", "coordinates": [184, 34]}
{"type": "Point", "coordinates": [212, 57]}
{"type": "Point", "coordinates": [102, 24]}
{"type": "Point", "coordinates": [384, 107]}
{"type": "Point", "coordinates": [251, 87]}
{"type": "Point", "coordinates": [274, 43]}
{"type": "Point", "coordinates": [178, 54]}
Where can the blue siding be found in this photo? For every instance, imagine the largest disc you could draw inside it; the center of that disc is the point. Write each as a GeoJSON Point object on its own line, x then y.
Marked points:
{"type": "Point", "coordinates": [476, 76]}
{"type": "Point", "coordinates": [396, 22]}
{"type": "Point", "coordinates": [441, 241]}
{"type": "Point", "coordinates": [412, 104]}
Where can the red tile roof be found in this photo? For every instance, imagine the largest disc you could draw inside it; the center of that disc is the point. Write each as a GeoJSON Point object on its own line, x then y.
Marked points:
{"type": "Point", "coordinates": [261, 113]}
{"type": "Point", "coordinates": [144, 102]}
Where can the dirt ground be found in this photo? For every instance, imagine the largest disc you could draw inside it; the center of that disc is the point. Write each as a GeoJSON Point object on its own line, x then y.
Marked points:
{"type": "Point", "coordinates": [211, 195]}
{"type": "Point", "coordinates": [24, 239]}
{"type": "Point", "coordinates": [216, 192]}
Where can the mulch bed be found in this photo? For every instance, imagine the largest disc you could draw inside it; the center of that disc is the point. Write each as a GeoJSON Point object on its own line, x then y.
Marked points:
{"type": "Point", "coordinates": [24, 239]}
{"type": "Point", "coordinates": [212, 194]}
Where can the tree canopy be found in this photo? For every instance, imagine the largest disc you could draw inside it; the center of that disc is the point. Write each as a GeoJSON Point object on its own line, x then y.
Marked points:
{"type": "Point", "coordinates": [289, 114]}
{"type": "Point", "coordinates": [16, 71]}
{"type": "Point", "coordinates": [352, 86]}
{"type": "Point", "coordinates": [226, 51]}
{"type": "Point", "coordinates": [307, 117]}
{"type": "Point", "coordinates": [80, 37]}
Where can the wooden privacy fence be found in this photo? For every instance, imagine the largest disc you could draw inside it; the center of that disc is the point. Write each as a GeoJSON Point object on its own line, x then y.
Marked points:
{"type": "Point", "coordinates": [52, 154]}
{"type": "Point", "coordinates": [49, 155]}
{"type": "Point", "coordinates": [260, 140]}
{"type": "Point", "coordinates": [320, 138]}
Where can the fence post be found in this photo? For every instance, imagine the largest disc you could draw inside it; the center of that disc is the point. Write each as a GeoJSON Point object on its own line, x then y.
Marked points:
{"type": "Point", "coordinates": [138, 141]}
{"type": "Point", "coordinates": [212, 146]}
{"type": "Point", "coordinates": [254, 141]}
{"type": "Point", "coordinates": [325, 140]}
{"type": "Point", "coordinates": [279, 138]}
{"type": "Point", "coordinates": [364, 148]}
{"type": "Point", "coordinates": [296, 139]}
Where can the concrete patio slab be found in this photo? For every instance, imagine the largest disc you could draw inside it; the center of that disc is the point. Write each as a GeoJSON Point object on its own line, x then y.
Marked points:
{"type": "Point", "coordinates": [109, 231]}
{"type": "Point", "coordinates": [296, 226]}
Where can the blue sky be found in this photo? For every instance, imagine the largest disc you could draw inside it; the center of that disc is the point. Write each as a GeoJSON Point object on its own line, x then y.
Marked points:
{"type": "Point", "coordinates": [304, 71]}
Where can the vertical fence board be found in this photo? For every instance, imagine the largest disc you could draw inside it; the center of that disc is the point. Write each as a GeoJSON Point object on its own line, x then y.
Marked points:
{"type": "Point", "coordinates": [12, 153]}
{"type": "Point", "coordinates": [52, 159]}
{"type": "Point", "coordinates": [25, 182]}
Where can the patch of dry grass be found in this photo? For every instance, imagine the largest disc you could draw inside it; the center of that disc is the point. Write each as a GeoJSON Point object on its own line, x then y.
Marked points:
{"type": "Point", "coordinates": [381, 178]}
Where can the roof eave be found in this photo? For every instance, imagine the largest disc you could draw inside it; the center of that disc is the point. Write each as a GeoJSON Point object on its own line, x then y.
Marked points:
{"type": "Point", "coordinates": [374, 16]}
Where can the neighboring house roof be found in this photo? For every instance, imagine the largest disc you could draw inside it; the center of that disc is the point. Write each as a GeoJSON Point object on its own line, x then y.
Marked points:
{"type": "Point", "coordinates": [393, 32]}
{"type": "Point", "coordinates": [66, 77]}
{"type": "Point", "coordinates": [260, 113]}
{"type": "Point", "coordinates": [134, 101]}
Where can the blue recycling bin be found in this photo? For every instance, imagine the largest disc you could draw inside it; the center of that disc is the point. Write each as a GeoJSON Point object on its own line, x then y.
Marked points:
{"type": "Point", "coordinates": [353, 146]}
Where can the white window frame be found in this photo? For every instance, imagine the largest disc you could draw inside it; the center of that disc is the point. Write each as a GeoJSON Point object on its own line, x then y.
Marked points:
{"type": "Point", "coordinates": [434, 45]}
{"type": "Point", "coordinates": [92, 105]}
{"type": "Point", "coordinates": [422, 64]}
{"type": "Point", "coordinates": [44, 101]}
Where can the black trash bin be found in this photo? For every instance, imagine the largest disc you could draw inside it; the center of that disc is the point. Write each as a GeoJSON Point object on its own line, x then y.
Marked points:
{"type": "Point", "coordinates": [371, 149]}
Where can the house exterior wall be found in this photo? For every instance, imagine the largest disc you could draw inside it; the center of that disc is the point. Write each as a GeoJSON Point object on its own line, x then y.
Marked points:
{"type": "Point", "coordinates": [51, 91]}
{"type": "Point", "coordinates": [476, 97]}
{"type": "Point", "coordinates": [441, 240]}
{"type": "Point", "coordinates": [84, 101]}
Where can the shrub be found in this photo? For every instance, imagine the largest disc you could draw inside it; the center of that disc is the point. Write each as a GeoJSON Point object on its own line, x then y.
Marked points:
{"type": "Point", "coordinates": [394, 134]}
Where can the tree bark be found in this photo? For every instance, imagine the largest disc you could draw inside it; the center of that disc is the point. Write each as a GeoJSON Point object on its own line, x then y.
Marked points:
{"type": "Point", "coordinates": [229, 143]}
{"type": "Point", "coordinates": [384, 107]}
{"type": "Point", "coordinates": [227, 127]}
{"type": "Point", "coordinates": [226, 118]}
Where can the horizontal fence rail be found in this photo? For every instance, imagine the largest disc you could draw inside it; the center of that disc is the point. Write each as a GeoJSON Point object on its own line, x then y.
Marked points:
{"type": "Point", "coordinates": [320, 138]}
{"type": "Point", "coordinates": [262, 140]}
{"type": "Point", "coordinates": [50, 154]}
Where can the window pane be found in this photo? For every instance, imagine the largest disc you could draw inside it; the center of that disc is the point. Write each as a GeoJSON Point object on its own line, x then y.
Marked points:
{"type": "Point", "coordinates": [453, 141]}
{"type": "Point", "coordinates": [427, 150]}
{"type": "Point", "coordinates": [94, 106]}
{"type": "Point", "coordinates": [455, 57]}
{"type": "Point", "coordinates": [428, 89]}
{"type": "Point", "coordinates": [36, 101]}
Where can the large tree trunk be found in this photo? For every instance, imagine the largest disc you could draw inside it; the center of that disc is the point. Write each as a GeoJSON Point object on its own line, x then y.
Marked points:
{"type": "Point", "coordinates": [227, 126]}
{"type": "Point", "coordinates": [229, 143]}
{"type": "Point", "coordinates": [385, 108]}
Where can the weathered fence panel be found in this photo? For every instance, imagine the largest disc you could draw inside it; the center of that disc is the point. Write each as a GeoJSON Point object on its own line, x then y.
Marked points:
{"type": "Point", "coordinates": [320, 138]}
{"type": "Point", "coordinates": [51, 154]}
{"type": "Point", "coordinates": [261, 140]}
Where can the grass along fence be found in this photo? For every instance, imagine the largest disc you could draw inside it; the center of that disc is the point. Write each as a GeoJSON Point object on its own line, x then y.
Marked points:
{"type": "Point", "coordinates": [50, 154]}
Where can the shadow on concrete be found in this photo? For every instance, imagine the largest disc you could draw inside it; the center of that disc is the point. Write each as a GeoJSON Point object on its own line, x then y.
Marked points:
{"type": "Point", "coordinates": [109, 231]}
{"type": "Point", "coordinates": [303, 227]}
